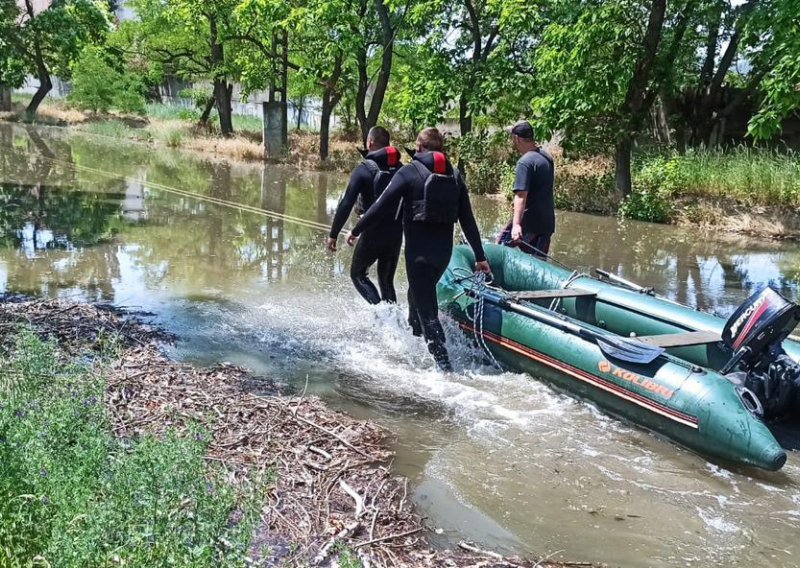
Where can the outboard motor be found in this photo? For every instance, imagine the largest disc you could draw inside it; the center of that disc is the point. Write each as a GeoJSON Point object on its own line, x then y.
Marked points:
{"type": "Point", "coordinates": [755, 333]}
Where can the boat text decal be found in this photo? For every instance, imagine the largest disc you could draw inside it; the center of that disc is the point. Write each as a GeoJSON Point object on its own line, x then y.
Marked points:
{"type": "Point", "coordinates": [607, 385]}
{"type": "Point", "coordinates": [638, 380]}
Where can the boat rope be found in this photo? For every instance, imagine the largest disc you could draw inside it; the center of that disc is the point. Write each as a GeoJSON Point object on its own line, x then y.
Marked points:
{"type": "Point", "coordinates": [198, 196]}
{"type": "Point", "coordinates": [479, 287]}
{"type": "Point", "coordinates": [572, 278]}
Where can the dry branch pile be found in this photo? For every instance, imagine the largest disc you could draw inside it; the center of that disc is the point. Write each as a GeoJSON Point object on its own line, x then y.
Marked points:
{"type": "Point", "coordinates": [333, 485]}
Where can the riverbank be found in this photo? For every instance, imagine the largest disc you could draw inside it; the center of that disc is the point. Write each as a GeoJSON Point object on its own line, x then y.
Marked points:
{"type": "Point", "coordinates": [133, 459]}
{"type": "Point", "coordinates": [740, 191]}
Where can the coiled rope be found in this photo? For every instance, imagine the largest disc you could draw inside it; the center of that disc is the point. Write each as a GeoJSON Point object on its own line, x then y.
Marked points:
{"type": "Point", "coordinates": [478, 286]}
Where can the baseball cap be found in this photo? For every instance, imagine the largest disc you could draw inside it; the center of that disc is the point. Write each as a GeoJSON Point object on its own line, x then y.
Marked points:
{"type": "Point", "coordinates": [523, 129]}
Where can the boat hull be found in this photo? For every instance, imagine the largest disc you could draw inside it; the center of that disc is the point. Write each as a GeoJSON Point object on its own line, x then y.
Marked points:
{"type": "Point", "coordinates": [680, 399]}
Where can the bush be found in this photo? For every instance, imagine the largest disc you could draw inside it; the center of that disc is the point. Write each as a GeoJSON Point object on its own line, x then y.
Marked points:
{"type": "Point", "coordinates": [93, 82]}
{"type": "Point", "coordinates": [647, 205]}
{"type": "Point", "coordinates": [98, 87]}
{"type": "Point", "coordinates": [486, 159]}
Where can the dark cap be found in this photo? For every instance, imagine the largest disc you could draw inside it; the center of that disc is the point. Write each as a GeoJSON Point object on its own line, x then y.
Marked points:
{"type": "Point", "coordinates": [523, 129]}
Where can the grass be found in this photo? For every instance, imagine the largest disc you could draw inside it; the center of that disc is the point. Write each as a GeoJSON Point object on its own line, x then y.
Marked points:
{"type": "Point", "coordinates": [71, 494]}
{"type": "Point", "coordinates": [754, 176]}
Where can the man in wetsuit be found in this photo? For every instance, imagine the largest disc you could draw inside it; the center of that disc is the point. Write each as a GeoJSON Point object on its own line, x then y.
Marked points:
{"type": "Point", "coordinates": [382, 242]}
{"type": "Point", "coordinates": [431, 196]}
{"type": "Point", "coordinates": [534, 218]}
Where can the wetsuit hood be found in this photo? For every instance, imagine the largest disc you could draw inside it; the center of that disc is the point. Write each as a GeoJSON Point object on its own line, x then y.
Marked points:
{"type": "Point", "coordinates": [387, 157]}
{"type": "Point", "coordinates": [436, 162]}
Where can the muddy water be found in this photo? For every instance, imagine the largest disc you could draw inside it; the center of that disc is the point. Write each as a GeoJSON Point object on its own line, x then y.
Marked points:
{"type": "Point", "coordinates": [496, 457]}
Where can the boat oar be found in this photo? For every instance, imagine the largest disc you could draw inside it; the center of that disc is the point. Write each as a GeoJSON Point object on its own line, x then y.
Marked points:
{"type": "Point", "coordinates": [612, 345]}
{"type": "Point", "coordinates": [625, 282]}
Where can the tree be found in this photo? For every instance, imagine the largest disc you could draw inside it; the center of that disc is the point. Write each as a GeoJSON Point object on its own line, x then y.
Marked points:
{"type": "Point", "coordinates": [781, 78]}
{"type": "Point", "coordinates": [599, 71]}
{"type": "Point", "coordinates": [51, 40]}
{"type": "Point", "coordinates": [97, 86]}
{"type": "Point", "coordinates": [12, 67]}
{"type": "Point", "coordinates": [192, 39]}
{"type": "Point", "coordinates": [372, 38]}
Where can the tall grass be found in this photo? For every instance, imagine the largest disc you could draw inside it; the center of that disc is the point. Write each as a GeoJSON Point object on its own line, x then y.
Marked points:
{"type": "Point", "coordinates": [753, 176]}
{"type": "Point", "coordinates": [71, 494]}
{"type": "Point", "coordinates": [248, 123]}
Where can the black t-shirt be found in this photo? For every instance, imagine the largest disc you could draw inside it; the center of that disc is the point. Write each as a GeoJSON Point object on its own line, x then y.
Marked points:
{"type": "Point", "coordinates": [535, 174]}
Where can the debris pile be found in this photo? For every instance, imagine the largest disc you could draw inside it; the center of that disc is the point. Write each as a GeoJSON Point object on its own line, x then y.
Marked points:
{"type": "Point", "coordinates": [333, 486]}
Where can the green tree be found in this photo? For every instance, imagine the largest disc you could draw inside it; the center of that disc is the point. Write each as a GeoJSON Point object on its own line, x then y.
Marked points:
{"type": "Point", "coordinates": [191, 39]}
{"type": "Point", "coordinates": [780, 67]}
{"type": "Point", "coordinates": [600, 71]}
{"type": "Point", "coordinates": [52, 39]}
{"type": "Point", "coordinates": [12, 67]}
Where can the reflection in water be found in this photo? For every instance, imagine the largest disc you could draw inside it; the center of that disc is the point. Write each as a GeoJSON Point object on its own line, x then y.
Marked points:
{"type": "Point", "coordinates": [497, 457]}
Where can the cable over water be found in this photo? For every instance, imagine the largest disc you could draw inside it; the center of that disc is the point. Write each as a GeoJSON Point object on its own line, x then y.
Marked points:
{"type": "Point", "coordinates": [199, 196]}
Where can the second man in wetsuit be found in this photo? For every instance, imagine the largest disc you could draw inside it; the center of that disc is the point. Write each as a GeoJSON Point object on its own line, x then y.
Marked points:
{"type": "Point", "coordinates": [382, 242]}
{"type": "Point", "coordinates": [430, 195]}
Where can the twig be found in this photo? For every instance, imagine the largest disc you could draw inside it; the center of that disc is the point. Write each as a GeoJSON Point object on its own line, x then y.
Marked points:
{"type": "Point", "coordinates": [390, 537]}
{"type": "Point", "coordinates": [356, 497]}
{"type": "Point", "coordinates": [326, 550]}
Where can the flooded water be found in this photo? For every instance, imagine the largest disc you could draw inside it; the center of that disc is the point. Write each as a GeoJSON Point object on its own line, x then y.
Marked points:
{"type": "Point", "coordinates": [231, 259]}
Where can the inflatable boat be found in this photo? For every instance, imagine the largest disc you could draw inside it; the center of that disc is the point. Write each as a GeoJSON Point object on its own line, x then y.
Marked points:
{"type": "Point", "coordinates": [708, 384]}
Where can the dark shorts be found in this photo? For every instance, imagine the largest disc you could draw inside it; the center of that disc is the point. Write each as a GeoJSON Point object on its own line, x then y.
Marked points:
{"type": "Point", "coordinates": [531, 243]}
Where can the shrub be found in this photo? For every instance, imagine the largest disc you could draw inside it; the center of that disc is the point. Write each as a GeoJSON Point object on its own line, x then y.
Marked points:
{"type": "Point", "coordinates": [98, 87]}
{"type": "Point", "coordinates": [485, 158]}
{"type": "Point", "coordinates": [647, 205]}
{"type": "Point", "coordinates": [93, 82]}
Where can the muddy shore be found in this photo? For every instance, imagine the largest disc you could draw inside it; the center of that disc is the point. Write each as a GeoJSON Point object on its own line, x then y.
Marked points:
{"type": "Point", "coordinates": [334, 485]}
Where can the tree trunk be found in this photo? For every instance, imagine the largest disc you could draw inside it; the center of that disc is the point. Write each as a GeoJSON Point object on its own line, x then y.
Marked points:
{"type": "Point", "coordinates": [222, 94]}
{"type": "Point", "coordinates": [361, 95]}
{"type": "Point", "coordinates": [5, 98]}
{"type": "Point", "coordinates": [207, 111]}
{"type": "Point", "coordinates": [325, 126]}
{"type": "Point", "coordinates": [464, 117]}
{"type": "Point", "coordinates": [299, 110]}
{"type": "Point", "coordinates": [45, 85]}
{"type": "Point", "coordinates": [622, 166]}
{"type": "Point", "coordinates": [222, 91]}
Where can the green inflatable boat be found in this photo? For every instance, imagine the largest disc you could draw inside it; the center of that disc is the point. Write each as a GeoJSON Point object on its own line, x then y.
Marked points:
{"type": "Point", "coordinates": [712, 386]}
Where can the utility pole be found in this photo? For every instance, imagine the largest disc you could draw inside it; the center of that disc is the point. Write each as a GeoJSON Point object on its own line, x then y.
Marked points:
{"type": "Point", "coordinates": [276, 129]}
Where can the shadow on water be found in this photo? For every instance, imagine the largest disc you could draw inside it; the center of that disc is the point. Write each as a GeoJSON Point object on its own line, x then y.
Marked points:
{"type": "Point", "coordinates": [493, 456]}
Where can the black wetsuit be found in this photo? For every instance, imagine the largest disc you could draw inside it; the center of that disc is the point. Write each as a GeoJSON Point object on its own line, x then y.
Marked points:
{"type": "Point", "coordinates": [382, 242]}
{"type": "Point", "coordinates": [428, 247]}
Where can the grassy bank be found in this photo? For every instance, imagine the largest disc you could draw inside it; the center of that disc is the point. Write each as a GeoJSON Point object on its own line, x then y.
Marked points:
{"type": "Point", "coordinates": [755, 191]}
{"type": "Point", "coordinates": [177, 127]}
{"type": "Point", "coordinates": [73, 494]}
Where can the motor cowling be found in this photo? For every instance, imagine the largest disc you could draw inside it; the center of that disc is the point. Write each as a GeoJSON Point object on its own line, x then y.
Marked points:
{"type": "Point", "coordinates": [754, 333]}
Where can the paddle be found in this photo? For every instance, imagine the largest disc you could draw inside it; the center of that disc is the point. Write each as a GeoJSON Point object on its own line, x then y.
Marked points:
{"type": "Point", "coordinates": [612, 345]}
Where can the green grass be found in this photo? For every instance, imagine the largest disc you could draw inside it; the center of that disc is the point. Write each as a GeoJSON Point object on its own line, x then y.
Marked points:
{"type": "Point", "coordinates": [115, 129]}
{"type": "Point", "coordinates": [73, 495]}
{"type": "Point", "coordinates": [248, 123]}
{"type": "Point", "coordinates": [755, 176]}
{"type": "Point", "coordinates": [171, 112]}
{"type": "Point", "coordinates": [20, 98]}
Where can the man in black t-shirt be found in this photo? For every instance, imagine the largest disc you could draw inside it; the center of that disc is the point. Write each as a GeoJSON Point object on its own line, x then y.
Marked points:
{"type": "Point", "coordinates": [534, 218]}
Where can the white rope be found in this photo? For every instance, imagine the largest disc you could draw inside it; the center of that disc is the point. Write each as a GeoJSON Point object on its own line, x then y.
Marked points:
{"type": "Point", "coordinates": [479, 286]}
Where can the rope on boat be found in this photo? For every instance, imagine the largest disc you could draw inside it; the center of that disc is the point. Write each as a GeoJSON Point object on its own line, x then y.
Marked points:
{"type": "Point", "coordinates": [479, 286]}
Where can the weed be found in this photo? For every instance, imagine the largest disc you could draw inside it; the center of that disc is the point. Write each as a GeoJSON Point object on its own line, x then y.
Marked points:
{"type": "Point", "coordinates": [73, 495]}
